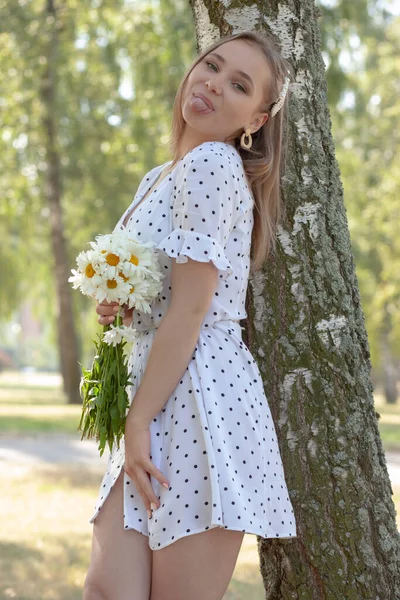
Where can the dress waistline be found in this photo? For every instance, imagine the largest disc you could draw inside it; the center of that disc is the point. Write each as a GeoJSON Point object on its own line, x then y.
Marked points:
{"type": "Point", "coordinates": [235, 322]}
{"type": "Point", "coordinates": [140, 351]}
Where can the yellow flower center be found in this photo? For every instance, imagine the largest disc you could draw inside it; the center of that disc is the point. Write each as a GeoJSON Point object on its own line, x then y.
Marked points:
{"type": "Point", "coordinates": [112, 259]}
{"type": "Point", "coordinates": [104, 251]}
{"type": "Point", "coordinates": [123, 277]}
{"type": "Point", "coordinates": [132, 289]}
{"type": "Point", "coordinates": [111, 284]}
{"type": "Point", "coordinates": [89, 271]}
{"type": "Point", "coordinates": [134, 260]}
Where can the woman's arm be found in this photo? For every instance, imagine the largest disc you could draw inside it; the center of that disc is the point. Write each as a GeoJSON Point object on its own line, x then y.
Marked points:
{"type": "Point", "coordinates": [171, 351]}
{"type": "Point", "coordinates": [206, 207]}
{"type": "Point", "coordinates": [193, 285]}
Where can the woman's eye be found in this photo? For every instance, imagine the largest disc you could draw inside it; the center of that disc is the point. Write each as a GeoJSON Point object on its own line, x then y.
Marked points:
{"type": "Point", "coordinates": [210, 63]}
{"type": "Point", "coordinates": [242, 89]}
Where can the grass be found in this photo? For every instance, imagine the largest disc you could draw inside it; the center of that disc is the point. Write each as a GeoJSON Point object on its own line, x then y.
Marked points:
{"type": "Point", "coordinates": [29, 408]}
{"type": "Point", "coordinates": [25, 419]}
{"type": "Point", "coordinates": [390, 434]}
{"type": "Point", "coordinates": [45, 534]}
{"type": "Point", "coordinates": [46, 537]}
{"type": "Point", "coordinates": [45, 541]}
{"type": "Point", "coordinates": [35, 404]}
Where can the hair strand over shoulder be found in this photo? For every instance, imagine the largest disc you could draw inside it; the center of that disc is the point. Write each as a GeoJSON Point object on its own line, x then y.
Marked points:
{"type": "Point", "coordinates": [264, 162]}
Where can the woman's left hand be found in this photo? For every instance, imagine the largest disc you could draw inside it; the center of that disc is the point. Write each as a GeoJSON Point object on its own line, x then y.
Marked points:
{"type": "Point", "coordinates": [138, 464]}
{"type": "Point", "coordinates": [109, 310]}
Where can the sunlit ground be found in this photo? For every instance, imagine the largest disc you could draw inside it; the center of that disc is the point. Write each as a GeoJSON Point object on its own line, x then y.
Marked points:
{"type": "Point", "coordinates": [45, 535]}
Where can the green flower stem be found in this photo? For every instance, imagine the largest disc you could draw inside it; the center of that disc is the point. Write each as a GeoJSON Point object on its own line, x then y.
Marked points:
{"type": "Point", "coordinates": [118, 318]}
{"type": "Point", "coordinates": [104, 393]}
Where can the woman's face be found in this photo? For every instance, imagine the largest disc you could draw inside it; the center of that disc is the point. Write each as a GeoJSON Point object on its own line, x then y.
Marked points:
{"type": "Point", "coordinates": [232, 79]}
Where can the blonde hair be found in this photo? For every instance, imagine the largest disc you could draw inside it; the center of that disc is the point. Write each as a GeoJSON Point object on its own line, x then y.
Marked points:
{"type": "Point", "coordinates": [264, 161]}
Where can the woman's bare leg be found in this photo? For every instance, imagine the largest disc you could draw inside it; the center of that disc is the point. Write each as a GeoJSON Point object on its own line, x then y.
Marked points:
{"type": "Point", "coordinates": [121, 560]}
{"type": "Point", "coordinates": [196, 567]}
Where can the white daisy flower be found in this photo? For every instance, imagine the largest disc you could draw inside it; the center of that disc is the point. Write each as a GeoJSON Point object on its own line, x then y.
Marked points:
{"type": "Point", "coordinates": [118, 268]}
{"type": "Point", "coordinates": [87, 263]}
{"type": "Point", "coordinates": [89, 286]}
{"type": "Point", "coordinates": [112, 290]}
{"type": "Point", "coordinates": [76, 279]}
{"type": "Point", "coordinates": [116, 334]}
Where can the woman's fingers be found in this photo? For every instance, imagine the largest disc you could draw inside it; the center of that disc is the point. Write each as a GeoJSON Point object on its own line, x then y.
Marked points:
{"type": "Point", "coordinates": [142, 493]}
{"type": "Point", "coordinates": [108, 312]}
{"type": "Point", "coordinates": [106, 320]}
{"type": "Point", "coordinates": [107, 308]}
{"type": "Point", "coordinates": [141, 478]}
{"type": "Point", "coordinates": [152, 469]}
{"type": "Point", "coordinates": [145, 484]}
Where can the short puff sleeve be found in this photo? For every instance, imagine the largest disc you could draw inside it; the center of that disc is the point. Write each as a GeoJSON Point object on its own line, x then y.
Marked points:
{"type": "Point", "coordinates": [205, 209]}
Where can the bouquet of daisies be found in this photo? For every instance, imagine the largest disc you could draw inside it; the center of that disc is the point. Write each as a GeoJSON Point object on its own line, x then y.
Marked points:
{"type": "Point", "coordinates": [117, 268]}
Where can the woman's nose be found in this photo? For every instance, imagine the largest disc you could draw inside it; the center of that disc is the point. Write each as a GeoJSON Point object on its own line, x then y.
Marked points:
{"type": "Point", "coordinates": [214, 84]}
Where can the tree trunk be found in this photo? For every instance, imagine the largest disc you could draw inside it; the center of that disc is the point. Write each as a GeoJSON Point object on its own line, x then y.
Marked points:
{"type": "Point", "coordinates": [67, 340]}
{"type": "Point", "coordinates": [306, 328]}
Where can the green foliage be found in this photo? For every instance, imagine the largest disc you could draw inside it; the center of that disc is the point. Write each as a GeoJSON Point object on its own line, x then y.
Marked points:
{"type": "Point", "coordinates": [118, 67]}
{"type": "Point", "coordinates": [345, 27]}
{"type": "Point", "coordinates": [367, 147]}
{"type": "Point", "coordinates": [104, 395]}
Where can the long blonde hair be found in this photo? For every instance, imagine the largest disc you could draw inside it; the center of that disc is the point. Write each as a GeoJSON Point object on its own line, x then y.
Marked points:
{"type": "Point", "coordinates": [264, 161]}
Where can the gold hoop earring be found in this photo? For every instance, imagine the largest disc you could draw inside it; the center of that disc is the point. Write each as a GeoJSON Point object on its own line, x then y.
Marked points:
{"type": "Point", "coordinates": [248, 144]}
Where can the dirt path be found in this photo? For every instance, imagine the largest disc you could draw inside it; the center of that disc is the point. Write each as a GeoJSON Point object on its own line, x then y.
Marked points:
{"type": "Point", "coordinates": [51, 449]}
{"type": "Point", "coordinates": [59, 449]}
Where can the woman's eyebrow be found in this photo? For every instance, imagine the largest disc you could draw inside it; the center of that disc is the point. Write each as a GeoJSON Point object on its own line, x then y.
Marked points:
{"type": "Point", "coordinates": [242, 73]}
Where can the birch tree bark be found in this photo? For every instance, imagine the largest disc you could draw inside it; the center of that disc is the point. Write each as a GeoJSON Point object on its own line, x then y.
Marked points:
{"type": "Point", "coordinates": [66, 334]}
{"type": "Point", "coordinates": [306, 328]}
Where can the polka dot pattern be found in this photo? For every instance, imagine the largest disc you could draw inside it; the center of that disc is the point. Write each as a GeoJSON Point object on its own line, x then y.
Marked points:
{"type": "Point", "coordinates": [206, 206]}
{"type": "Point", "coordinates": [181, 244]}
{"type": "Point", "coordinates": [214, 439]}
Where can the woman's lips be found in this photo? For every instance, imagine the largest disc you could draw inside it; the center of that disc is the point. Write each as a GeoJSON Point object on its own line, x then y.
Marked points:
{"type": "Point", "coordinates": [199, 105]}
{"type": "Point", "coordinates": [206, 100]}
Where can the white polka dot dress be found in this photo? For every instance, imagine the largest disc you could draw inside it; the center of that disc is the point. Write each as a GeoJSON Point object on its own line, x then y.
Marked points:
{"type": "Point", "coordinates": [214, 438]}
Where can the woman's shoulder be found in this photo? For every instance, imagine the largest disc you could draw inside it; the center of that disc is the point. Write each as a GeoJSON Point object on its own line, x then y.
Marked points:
{"type": "Point", "coordinates": [211, 158]}
{"type": "Point", "coordinates": [215, 151]}
{"type": "Point", "coordinates": [213, 167]}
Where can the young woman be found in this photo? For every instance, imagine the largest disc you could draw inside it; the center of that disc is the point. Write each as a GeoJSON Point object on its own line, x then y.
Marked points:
{"type": "Point", "coordinates": [200, 463]}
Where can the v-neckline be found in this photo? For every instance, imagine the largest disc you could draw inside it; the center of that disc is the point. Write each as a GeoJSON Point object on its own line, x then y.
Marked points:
{"type": "Point", "coordinates": [143, 196]}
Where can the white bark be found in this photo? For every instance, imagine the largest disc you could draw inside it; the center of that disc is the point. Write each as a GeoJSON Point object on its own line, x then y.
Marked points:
{"type": "Point", "coordinates": [307, 332]}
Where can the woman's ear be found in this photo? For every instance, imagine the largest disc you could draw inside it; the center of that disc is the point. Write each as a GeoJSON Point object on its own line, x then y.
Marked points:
{"type": "Point", "coordinates": [259, 122]}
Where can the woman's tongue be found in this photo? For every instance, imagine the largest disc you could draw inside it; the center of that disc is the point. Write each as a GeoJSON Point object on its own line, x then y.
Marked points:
{"type": "Point", "coordinates": [199, 105]}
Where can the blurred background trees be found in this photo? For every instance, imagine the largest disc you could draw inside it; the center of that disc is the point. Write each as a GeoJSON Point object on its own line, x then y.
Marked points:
{"type": "Point", "coordinates": [117, 65]}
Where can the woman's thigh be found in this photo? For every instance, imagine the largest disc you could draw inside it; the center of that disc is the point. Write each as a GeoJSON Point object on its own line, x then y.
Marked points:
{"type": "Point", "coordinates": [199, 566]}
{"type": "Point", "coordinates": [121, 560]}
